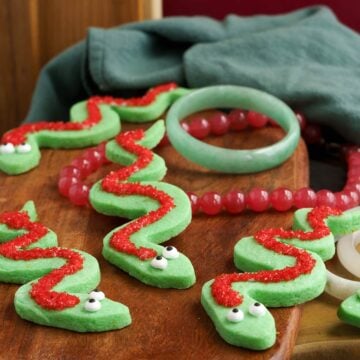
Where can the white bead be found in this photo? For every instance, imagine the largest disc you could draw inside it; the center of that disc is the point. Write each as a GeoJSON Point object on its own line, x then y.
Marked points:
{"type": "Point", "coordinates": [92, 305]}
{"type": "Point", "coordinates": [23, 148]}
{"type": "Point", "coordinates": [257, 309]}
{"type": "Point", "coordinates": [235, 315]}
{"type": "Point", "coordinates": [7, 148]}
{"type": "Point", "coordinates": [159, 262]}
{"type": "Point", "coordinates": [170, 252]}
{"type": "Point", "coordinates": [97, 295]}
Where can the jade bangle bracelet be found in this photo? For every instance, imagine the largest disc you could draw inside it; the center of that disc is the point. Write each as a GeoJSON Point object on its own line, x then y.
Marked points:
{"type": "Point", "coordinates": [228, 160]}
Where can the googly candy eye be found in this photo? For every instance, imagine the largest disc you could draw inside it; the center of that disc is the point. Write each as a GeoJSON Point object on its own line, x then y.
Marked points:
{"type": "Point", "coordinates": [159, 262]}
{"type": "Point", "coordinates": [170, 252]}
{"type": "Point", "coordinates": [23, 148]}
{"type": "Point", "coordinates": [257, 309]}
{"type": "Point", "coordinates": [7, 148]}
{"type": "Point", "coordinates": [92, 305]}
{"type": "Point", "coordinates": [235, 315]}
{"type": "Point", "coordinates": [97, 295]}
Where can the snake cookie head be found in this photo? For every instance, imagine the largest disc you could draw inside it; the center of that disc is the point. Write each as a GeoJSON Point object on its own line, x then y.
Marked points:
{"type": "Point", "coordinates": [17, 158]}
{"type": "Point", "coordinates": [58, 282]}
{"type": "Point", "coordinates": [159, 211]}
{"type": "Point", "coordinates": [249, 325]}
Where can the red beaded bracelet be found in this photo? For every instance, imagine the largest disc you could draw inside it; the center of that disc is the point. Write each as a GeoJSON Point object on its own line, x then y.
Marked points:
{"type": "Point", "coordinates": [234, 202]}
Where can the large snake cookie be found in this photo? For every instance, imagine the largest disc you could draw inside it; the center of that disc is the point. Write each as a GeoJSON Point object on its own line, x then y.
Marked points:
{"type": "Point", "coordinates": [59, 284]}
{"type": "Point", "coordinates": [283, 268]}
{"type": "Point", "coordinates": [92, 121]}
{"type": "Point", "coordinates": [160, 212]}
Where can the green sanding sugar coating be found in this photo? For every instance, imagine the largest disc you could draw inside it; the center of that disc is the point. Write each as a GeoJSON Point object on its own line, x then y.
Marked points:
{"type": "Point", "coordinates": [259, 333]}
{"type": "Point", "coordinates": [179, 273]}
{"type": "Point", "coordinates": [112, 315]}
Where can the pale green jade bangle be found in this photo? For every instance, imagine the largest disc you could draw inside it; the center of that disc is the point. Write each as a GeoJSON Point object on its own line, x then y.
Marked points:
{"type": "Point", "coordinates": [228, 160]}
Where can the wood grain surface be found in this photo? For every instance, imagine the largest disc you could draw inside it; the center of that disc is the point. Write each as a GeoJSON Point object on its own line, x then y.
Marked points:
{"type": "Point", "coordinates": [34, 31]}
{"type": "Point", "coordinates": [166, 323]}
{"type": "Point", "coordinates": [322, 335]}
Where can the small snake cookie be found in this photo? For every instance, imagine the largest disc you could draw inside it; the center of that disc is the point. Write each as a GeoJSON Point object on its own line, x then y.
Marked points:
{"type": "Point", "coordinates": [283, 268]}
{"type": "Point", "coordinates": [92, 121]}
{"type": "Point", "coordinates": [161, 211]}
{"type": "Point", "coordinates": [29, 255]}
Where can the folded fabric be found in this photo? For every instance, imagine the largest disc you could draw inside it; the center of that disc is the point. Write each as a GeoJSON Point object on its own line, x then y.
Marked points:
{"type": "Point", "coordinates": [307, 58]}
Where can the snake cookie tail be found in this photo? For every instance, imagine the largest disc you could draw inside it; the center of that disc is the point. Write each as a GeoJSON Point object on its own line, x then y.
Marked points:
{"type": "Point", "coordinates": [30, 255]}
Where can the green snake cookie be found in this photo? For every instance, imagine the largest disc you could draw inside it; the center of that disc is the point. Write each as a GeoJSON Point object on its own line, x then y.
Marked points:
{"type": "Point", "coordinates": [159, 211]}
{"type": "Point", "coordinates": [283, 268]}
{"type": "Point", "coordinates": [92, 121]}
{"type": "Point", "coordinates": [59, 284]}
{"type": "Point", "coordinates": [349, 310]}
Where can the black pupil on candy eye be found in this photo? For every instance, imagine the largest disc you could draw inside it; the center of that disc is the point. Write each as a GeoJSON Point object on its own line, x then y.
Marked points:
{"type": "Point", "coordinates": [91, 300]}
{"type": "Point", "coordinates": [96, 290]}
{"type": "Point", "coordinates": [158, 257]}
{"type": "Point", "coordinates": [169, 248]}
{"type": "Point", "coordinates": [256, 304]}
{"type": "Point", "coordinates": [235, 310]}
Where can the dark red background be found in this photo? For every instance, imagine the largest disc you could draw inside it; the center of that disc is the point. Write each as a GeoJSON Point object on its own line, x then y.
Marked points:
{"type": "Point", "coordinates": [348, 11]}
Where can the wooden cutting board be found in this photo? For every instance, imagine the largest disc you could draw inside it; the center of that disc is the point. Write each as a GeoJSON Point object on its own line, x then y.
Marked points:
{"type": "Point", "coordinates": [166, 323]}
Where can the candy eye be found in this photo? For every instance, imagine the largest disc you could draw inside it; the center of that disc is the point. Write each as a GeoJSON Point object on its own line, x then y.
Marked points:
{"type": "Point", "coordinates": [97, 295]}
{"type": "Point", "coordinates": [7, 148]}
{"type": "Point", "coordinates": [23, 148]}
{"type": "Point", "coordinates": [159, 262]}
{"type": "Point", "coordinates": [92, 305]}
{"type": "Point", "coordinates": [235, 315]}
{"type": "Point", "coordinates": [170, 252]}
{"type": "Point", "coordinates": [257, 309]}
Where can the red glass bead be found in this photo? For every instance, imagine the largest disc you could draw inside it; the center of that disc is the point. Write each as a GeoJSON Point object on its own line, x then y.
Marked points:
{"type": "Point", "coordinates": [65, 183]}
{"type": "Point", "coordinates": [199, 128]}
{"type": "Point", "coordinates": [273, 123]}
{"type": "Point", "coordinates": [302, 121]}
{"type": "Point", "coordinates": [234, 202]}
{"type": "Point", "coordinates": [70, 171]}
{"type": "Point", "coordinates": [94, 156]}
{"type": "Point", "coordinates": [83, 165]}
{"type": "Point", "coordinates": [325, 198]}
{"type": "Point", "coordinates": [349, 149]}
{"type": "Point", "coordinates": [219, 124]}
{"type": "Point", "coordinates": [194, 200]}
{"type": "Point", "coordinates": [79, 194]}
{"type": "Point", "coordinates": [185, 126]}
{"type": "Point", "coordinates": [237, 120]}
{"type": "Point", "coordinates": [164, 141]}
{"type": "Point", "coordinates": [354, 161]}
{"type": "Point", "coordinates": [312, 134]}
{"type": "Point", "coordinates": [257, 199]}
{"type": "Point", "coordinates": [353, 187]}
{"type": "Point", "coordinates": [211, 203]}
{"type": "Point", "coordinates": [281, 199]}
{"type": "Point", "coordinates": [343, 201]}
{"type": "Point", "coordinates": [256, 119]}
{"type": "Point", "coordinates": [354, 197]}
{"type": "Point", "coordinates": [354, 171]}
{"type": "Point", "coordinates": [102, 149]}
{"type": "Point", "coordinates": [305, 198]}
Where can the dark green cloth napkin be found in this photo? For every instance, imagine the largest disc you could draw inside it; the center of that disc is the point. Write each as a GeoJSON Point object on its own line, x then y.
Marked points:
{"type": "Point", "coordinates": [307, 58]}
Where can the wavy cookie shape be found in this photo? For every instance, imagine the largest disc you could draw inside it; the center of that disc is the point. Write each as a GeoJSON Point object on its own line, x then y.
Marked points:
{"type": "Point", "coordinates": [160, 212]}
{"type": "Point", "coordinates": [283, 268]}
{"type": "Point", "coordinates": [92, 121]}
{"type": "Point", "coordinates": [60, 283]}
